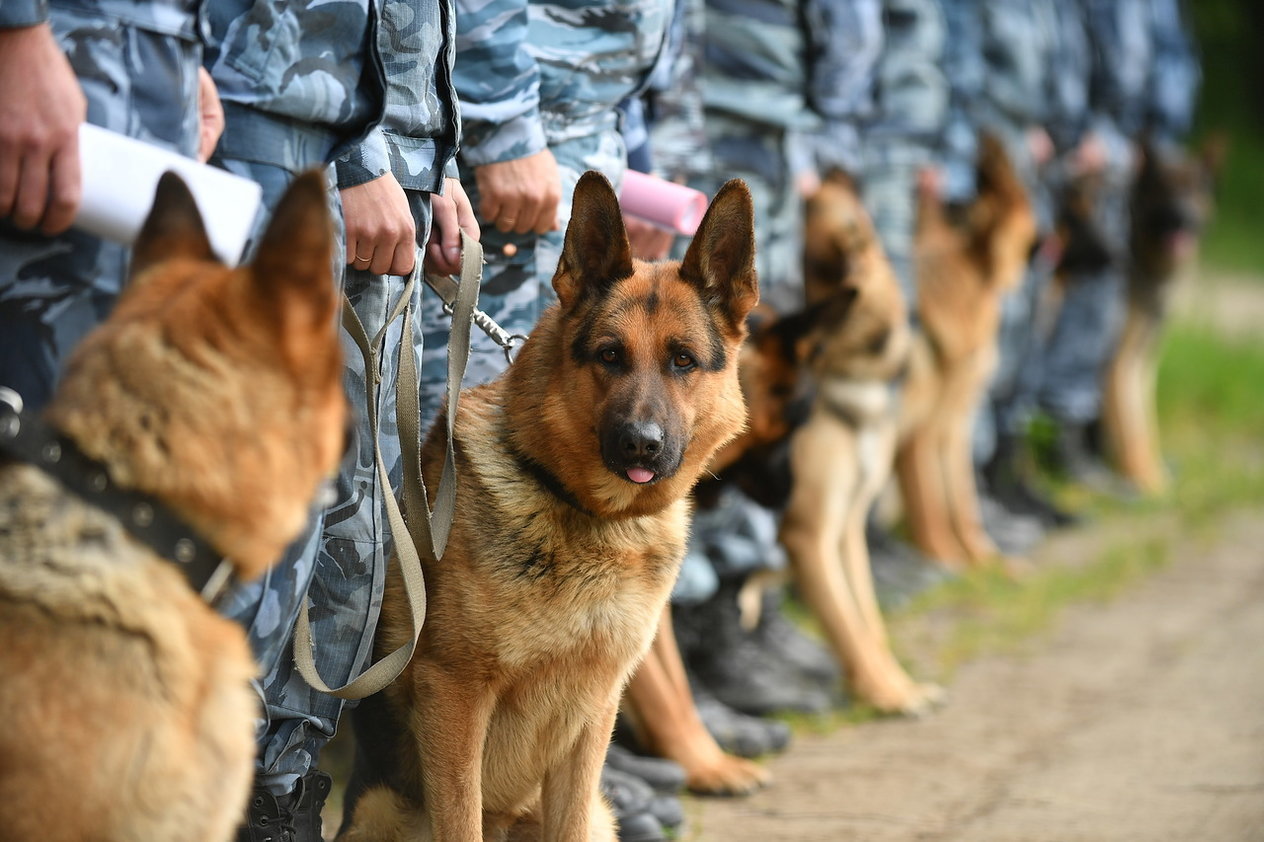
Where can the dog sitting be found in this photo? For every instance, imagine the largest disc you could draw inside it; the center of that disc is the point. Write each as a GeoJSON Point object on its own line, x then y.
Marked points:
{"type": "Point", "coordinates": [217, 395]}
{"type": "Point", "coordinates": [1170, 204]}
{"type": "Point", "coordinates": [574, 469]}
{"type": "Point", "coordinates": [963, 266]}
{"type": "Point", "coordinates": [841, 457]}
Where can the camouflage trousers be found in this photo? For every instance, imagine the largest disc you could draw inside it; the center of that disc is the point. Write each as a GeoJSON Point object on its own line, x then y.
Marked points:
{"type": "Point", "coordinates": [1068, 374]}
{"type": "Point", "coordinates": [738, 536]}
{"type": "Point", "coordinates": [54, 290]}
{"type": "Point", "coordinates": [339, 564]}
{"type": "Point", "coordinates": [889, 187]}
{"type": "Point", "coordinates": [762, 156]}
{"type": "Point", "coordinates": [516, 289]}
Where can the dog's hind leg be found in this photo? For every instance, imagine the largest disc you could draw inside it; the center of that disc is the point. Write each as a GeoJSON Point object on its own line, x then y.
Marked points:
{"type": "Point", "coordinates": [922, 490]}
{"type": "Point", "coordinates": [660, 704]}
{"type": "Point", "coordinates": [383, 815]}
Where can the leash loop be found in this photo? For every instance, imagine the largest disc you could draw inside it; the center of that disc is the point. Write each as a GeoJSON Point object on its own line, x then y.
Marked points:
{"type": "Point", "coordinates": [425, 530]}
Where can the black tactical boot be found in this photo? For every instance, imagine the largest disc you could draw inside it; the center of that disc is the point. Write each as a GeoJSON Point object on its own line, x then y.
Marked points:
{"type": "Point", "coordinates": [294, 817]}
{"type": "Point", "coordinates": [1008, 478]}
{"type": "Point", "coordinates": [736, 668]}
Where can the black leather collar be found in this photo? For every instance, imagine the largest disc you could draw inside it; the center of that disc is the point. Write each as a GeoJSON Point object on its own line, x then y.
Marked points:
{"type": "Point", "coordinates": [545, 478]}
{"type": "Point", "coordinates": [26, 438]}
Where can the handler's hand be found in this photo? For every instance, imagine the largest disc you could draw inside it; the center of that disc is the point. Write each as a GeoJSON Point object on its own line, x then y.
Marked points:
{"type": "Point", "coordinates": [41, 107]}
{"type": "Point", "coordinates": [451, 213]}
{"type": "Point", "coordinates": [520, 195]}
{"type": "Point", "coordinates": [210, 115]}
{"type": "Point", "coordinates": [381, 232]}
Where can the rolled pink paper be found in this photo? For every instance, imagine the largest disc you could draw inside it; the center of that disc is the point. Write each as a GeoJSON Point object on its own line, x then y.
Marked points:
{"type": "Point", "coordinates": [664, 203]}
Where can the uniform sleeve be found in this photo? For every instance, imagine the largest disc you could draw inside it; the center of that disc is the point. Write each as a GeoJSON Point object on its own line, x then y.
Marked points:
{"type": "Point", "coordinates": [19, 13]}
{"type": "Point", "coordinates": [364, 162]}
{"type": "Point", "coordinates": [1174, 74]}
{"type": "Point", "coordinates": [497, 82]}
{"type": "Point", "coordinates": [845, 40]}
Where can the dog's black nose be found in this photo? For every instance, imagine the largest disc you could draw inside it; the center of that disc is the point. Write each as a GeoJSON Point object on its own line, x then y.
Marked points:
{"type": "Point", "coordinates": [643, 439]}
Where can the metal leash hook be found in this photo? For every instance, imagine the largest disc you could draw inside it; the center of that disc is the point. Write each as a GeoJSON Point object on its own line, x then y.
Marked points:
{"type": "Point", "coordinates": [446, 289]}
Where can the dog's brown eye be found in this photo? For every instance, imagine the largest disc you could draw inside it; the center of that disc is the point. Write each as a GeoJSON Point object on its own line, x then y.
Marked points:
{"type": "Point", "coordinates": [683, 361]}
{"type": "Point", "coordinates": [609, 356]}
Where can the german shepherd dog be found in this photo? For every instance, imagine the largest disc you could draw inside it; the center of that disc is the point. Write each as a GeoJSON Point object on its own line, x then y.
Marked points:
{"type": "Point", "coordinates": [127, 708]}
{"type": "Point", "coordinates": [658, 701]}
{"type": "Point", "coordinates": [841, 457]}
{"type": "Point", "coordinates": [575, 468]}
{"type": "Point", "coordinates": [1170, 204]}
{"type": "Point", "coordinates": [964, 265]}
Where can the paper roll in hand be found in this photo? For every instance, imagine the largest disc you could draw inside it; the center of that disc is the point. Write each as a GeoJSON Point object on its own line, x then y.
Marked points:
{"type": "Point", "coordinates": [120, 175]}
{"type": "Point", "coordinates": [664, 203]}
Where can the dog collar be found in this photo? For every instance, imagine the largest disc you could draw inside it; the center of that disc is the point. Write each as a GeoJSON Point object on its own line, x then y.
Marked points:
{"type": "Point", "coordinates": [28, 439]}
{"type": "Point", "coordinates": [548, 480]}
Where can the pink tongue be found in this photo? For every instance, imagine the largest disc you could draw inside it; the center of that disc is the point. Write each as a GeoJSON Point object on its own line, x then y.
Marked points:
{"type": "Point", "coordinates": [640, 474]}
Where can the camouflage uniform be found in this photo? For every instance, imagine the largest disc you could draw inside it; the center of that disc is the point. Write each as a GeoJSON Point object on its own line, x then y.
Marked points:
{"type": "Point", "coordinates": [342, 559]}
{"type": "Point", "coordinates": [1035, 62]}
{"type": "Point", "coordinates": [783, 86]}
{"type": "Point", "coordinates": [530, 76]}
{"type": "Point", "coordinates": [1144, 78]}
{"type": "Point", "coordinates": [775, 74]}
{"type": "Point", "coordinates": [913, 105]}
{"type": "Point", "coordinates": [137, 63]}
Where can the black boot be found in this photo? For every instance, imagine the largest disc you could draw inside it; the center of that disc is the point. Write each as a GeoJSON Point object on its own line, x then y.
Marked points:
{"type": "Point", "coordinates": [900, 572]}
{"type": "Point", "coordinates": [641, 813]}
{"type": "Point", "coordinates": [294, 817]}
{"type": "Point", "coordinates": [1008, 479]}
{"type": "Point", "coordinates": [736, 732]}
{"type": "Point", "coordinates": [783, 639]}
{"type": "Point", "coordinates": [735, 667]}
{"type": "Point", "coordinates": [1074, 458]}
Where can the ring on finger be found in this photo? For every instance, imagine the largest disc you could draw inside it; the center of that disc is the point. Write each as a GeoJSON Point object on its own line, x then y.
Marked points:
{"type": "Point", "coordinates": [360, 259]}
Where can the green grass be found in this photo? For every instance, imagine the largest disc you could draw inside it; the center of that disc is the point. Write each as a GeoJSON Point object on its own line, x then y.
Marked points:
{"type": "Point", "coordinates": [1232, 241]}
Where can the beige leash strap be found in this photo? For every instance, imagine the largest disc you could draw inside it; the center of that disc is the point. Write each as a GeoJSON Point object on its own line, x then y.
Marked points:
{"type": "Point", "coordinates": [426, 530]}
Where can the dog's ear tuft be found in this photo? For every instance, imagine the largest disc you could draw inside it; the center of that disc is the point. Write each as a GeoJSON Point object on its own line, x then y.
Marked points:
{"type": "Point", "coordinates": [293, 267]}
{"type": "Point", "coordinates": [720, 260]}
{"type": "Point", "coordinates": [596, 252]}
{"type": "Point", "coordinates": [173, 228]}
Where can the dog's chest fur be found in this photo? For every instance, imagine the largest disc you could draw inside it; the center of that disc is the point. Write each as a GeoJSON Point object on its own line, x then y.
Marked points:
{"type": "Point", "coordinates": [573, 585]}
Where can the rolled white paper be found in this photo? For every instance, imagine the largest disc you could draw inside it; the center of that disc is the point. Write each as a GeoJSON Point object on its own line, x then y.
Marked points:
{"type": "Point", "coordinates": [120, 175]}
{"type": "Point", "coordinates": [665, 203]}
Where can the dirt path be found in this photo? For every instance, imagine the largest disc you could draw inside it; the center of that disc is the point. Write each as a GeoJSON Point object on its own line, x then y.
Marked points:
{"type": "Point", "coordinates": [1138, 719]}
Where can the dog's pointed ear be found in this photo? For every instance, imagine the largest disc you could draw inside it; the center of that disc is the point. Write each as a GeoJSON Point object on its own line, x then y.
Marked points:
{"type": "Point", "coordinates": [173, 228]}
{"type": "Point", "coordinates": [596, 252]}
{"type": "Point", "coordinates": [293, 267]}
{"type": "Point", "coordinates": [720, 260]}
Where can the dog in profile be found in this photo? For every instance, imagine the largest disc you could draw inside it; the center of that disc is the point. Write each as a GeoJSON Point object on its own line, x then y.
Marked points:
{"type": "Point", "coordinates": [1170, 204]}
{"type": "Point", "coordinates": [574, 470]}
{"type": "Point", "coordinates": [216, 394]}
{"type": "Point", "coordinates": [964, 264]}
{"type": "Point", "coordinates": [841, 457]}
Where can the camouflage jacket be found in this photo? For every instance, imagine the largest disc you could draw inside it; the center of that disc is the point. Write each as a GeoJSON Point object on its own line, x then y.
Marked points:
{"type": "Point", "coordinates": [171, 17]}
{"type": "Point", "coordinates": [421, 126]}
{"type": "Point", "coordinates": [1145, 71]}
{"type": "Point", "coordinates": [532, 73]}
{"type": "Point", "coordinates": [367, 82]}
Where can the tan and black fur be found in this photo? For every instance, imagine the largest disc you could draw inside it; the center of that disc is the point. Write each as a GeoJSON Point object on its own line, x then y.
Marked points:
{"type": "Point", "coordinates": [963, 268]}
{"type": "Point", "coordinates": [1170, 204]}
{"type": "Point", "coordinates": [559, 562]}
{"type": "Point", "coordinates": [841, 457]}
{"type": "Point", "coordinates": [127, 710]}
